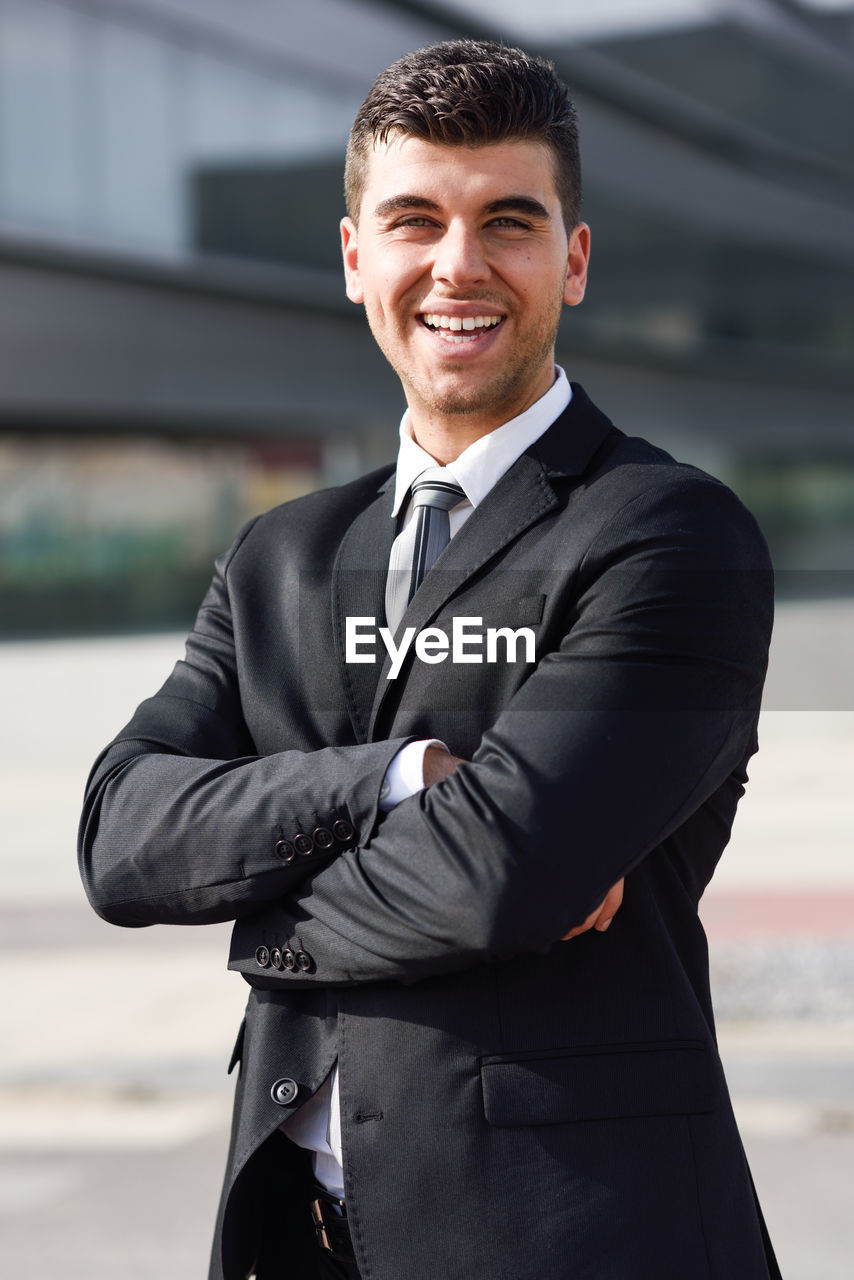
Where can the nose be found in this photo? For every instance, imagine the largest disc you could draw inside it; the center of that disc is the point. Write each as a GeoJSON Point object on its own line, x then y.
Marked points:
{"type": "Point", "coordinates": [459, 258]}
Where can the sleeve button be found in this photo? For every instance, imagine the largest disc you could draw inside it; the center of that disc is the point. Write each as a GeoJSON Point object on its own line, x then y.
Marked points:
{"type": "Point", "coordinates": [262, 957]}
{"type": "Point", "coordinates": [303, 960]}
{"type": "Point", "coordinates": [303, 844]}
{"type": "Point", "coordinates": [285, 850]}
{"type": "Point", "coordinates": [276, 958]}
{"type": "Point", "coordinates": [284, 1092]}
{"type": "Point", "coordinates": [288, 959]}
{"type": "Point", "coordinates": [343, 830]}
{"type": "Point", "coordinates": [323, 838]}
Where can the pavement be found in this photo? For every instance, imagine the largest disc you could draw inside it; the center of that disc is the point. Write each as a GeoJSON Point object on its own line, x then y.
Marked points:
{"type": "Point", "coordinates": [114, 1099]}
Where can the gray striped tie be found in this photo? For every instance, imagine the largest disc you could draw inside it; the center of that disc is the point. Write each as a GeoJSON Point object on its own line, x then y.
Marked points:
{"type": "Point", "coordinates": [418, 547]}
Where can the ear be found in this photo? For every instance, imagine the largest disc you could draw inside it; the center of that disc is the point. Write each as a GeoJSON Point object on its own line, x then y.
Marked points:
{"type": "Point", "coordinates": [578, 256]}
{"type": "Point", "coordinates": [350, 252]}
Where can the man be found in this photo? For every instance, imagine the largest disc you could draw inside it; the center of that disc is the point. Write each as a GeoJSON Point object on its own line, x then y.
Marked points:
{"type": "Point", "coordinates": [429, 727]}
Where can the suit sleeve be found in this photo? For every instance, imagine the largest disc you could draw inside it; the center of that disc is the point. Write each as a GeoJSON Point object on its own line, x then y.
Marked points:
{"type": "Point", "coordinates": [619, 736]}
{"type": "Point", "coordinates": [184, 823]}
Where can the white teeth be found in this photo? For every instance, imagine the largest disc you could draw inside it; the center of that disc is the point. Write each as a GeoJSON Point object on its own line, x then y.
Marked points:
{"type": "Point", "coordinates": [456, 323]}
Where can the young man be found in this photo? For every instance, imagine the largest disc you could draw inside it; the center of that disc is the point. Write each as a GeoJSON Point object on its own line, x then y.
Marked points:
{"type": "Point", "coordinates": [421, 791]}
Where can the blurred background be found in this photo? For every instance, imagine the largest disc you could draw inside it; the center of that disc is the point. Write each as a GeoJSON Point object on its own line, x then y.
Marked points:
{"type": "Point", "coordinates": [177, 354]}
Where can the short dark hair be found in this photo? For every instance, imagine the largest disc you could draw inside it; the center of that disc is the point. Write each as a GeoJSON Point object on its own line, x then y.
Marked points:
{"type": "Point", "coordinates": [469, 93]}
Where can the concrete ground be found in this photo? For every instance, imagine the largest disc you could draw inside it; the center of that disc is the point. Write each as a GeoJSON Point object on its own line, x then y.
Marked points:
{"type": "Point", "coordinates": [113, 1094]}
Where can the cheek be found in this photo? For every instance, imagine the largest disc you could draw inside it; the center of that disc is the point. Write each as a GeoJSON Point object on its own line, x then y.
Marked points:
{"type": "Point", "coordinates": [386, 293]}
{"type": "Point", "coordinates": [536, 279]}
{"type": "Point", "coordinates": [400, 276]}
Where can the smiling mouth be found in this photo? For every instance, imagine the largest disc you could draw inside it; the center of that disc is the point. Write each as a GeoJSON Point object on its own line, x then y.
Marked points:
{"type": "Point", "coordinates": [459, 329]}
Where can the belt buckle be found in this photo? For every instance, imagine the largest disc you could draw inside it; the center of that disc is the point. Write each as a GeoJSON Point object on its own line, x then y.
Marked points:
{"type": "Point", "coordinates": [319, 1225]}
{"type": "Point", "coordinates": [331, 1229]}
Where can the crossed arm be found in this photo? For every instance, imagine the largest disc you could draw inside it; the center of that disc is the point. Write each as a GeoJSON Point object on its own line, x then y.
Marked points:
{"type": "Point", "coordinates": [439, 764]}
{"type": "Point", "coordinates": [618, 737]}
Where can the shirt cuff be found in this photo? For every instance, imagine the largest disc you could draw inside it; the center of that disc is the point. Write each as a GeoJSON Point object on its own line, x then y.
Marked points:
{"type": "Point", "coordinates": [405, 775]}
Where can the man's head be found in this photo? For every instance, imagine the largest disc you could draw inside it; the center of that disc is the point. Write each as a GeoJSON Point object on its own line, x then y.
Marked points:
{"type": "Point", "coordinates": [469, 93]}
{"type": "Point", "coordinates": [462, 239]}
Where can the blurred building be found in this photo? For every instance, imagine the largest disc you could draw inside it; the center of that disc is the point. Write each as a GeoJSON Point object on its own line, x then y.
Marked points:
{"type": "Point", "coordinates": [176, 351]}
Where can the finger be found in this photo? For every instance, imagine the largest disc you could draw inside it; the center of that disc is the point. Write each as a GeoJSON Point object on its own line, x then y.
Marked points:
{"type": "Point", "coordinates": [582, 928]}
{"type": "Point", "coordinates": [609, 908]}
{"type": "Point", "coordinates": [600, 918]}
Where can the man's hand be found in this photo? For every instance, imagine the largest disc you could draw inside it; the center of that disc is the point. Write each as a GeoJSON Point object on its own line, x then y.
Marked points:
{"type": "Point", "coordinates": [602, 916]}
{"type": "Point", "coordinates": [438, 765]}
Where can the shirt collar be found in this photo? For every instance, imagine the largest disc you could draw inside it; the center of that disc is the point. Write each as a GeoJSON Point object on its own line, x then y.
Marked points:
{"type": "Point", "coordinates": [483, 463]}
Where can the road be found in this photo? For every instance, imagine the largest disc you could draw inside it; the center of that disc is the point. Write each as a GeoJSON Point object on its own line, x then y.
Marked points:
{"type": "Point", "coordinates": [114, 1099]}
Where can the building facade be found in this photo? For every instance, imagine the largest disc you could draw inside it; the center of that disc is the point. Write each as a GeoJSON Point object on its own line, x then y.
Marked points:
{"type": "Point", "coordinates": [176, 351]}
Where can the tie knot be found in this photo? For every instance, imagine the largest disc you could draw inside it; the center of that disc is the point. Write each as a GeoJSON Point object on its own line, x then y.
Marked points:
{"type": "Point", "coordinates": [436, 488]}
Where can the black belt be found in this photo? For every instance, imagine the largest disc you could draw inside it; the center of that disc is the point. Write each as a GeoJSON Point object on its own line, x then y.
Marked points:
{"type": "Point", "coordinates": [331, 1228]}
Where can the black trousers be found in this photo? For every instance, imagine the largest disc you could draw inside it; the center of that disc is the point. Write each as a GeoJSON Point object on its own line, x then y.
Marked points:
{"type": "Point", "coordinates": [331, 1269]}
{"type": "Point", "coordinates": [297, 1254]}
{"type": "Point", "coordinates": [288, 1245]}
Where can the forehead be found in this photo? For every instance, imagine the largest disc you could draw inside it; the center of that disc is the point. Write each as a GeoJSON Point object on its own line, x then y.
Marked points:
{"type": "Point", "coordinates": [469, 176]}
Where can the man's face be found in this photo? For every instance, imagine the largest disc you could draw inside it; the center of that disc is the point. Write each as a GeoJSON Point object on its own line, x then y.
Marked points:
{"type": "Point", "coordinates": [463, 263]}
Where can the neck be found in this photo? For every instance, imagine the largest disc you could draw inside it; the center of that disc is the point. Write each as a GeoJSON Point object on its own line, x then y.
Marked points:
{"type": "Point", "coordinates": [446, 441]}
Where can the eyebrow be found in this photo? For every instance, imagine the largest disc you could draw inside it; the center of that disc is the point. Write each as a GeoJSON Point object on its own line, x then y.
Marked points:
{"type": "Point", "coordinates": [397, 203]}
{"type": "Point", "coordinates": [506, 204]}
{"type": "Point", "coordinates": [519, 204]}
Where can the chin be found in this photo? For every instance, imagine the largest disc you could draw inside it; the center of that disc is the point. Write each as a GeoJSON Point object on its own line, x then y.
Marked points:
{"type": "Point", "coordinates": [445, 395]}
{"type": "Point", "coordinates": [483, 399]}
{"type": "Point", "coordinates": [459, 404]}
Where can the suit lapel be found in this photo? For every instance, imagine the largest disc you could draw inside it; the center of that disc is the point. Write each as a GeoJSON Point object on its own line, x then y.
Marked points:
{"type": "Point", "coordinates": [358, 590]}
{"type": "Point", "coordinates": [568, 447]}
{"type": "Point", "coordinates": [522, 496]}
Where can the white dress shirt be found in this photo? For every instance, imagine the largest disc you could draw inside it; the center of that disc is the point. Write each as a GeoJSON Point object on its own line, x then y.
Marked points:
{"type": "Point", "coordinates": [317, 1124]}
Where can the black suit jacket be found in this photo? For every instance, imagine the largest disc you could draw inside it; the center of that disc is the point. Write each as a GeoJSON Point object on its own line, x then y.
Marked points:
{"type": "Point", "coordinates": [512, 1105]}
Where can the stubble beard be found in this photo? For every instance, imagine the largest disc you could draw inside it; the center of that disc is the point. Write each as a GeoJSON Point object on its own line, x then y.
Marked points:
{"type": "Point", "coordinates": [505, 388]}
{"type": "Point", "coordinates": [485, 397]}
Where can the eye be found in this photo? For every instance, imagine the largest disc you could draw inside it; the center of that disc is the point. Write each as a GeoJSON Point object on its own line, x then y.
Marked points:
{"type": "Point", "coordinates": [507, 223]}
{"type": "Point", "coordinates": [416, 221]}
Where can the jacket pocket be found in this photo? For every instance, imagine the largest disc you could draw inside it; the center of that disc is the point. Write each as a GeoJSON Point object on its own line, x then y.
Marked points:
{"type": "Point", "coordinates": [527, 610]}
{"type": "Point", "coordinates": [664, 1078]}
{"type": "Point", "coordinates": [513, 610]}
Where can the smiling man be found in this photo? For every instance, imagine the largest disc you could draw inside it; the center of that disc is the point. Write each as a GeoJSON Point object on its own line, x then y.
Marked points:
{"type": "Point", "coordinates": [463, 261]}
{"type": "Point", "coordinates": [479, 1040]}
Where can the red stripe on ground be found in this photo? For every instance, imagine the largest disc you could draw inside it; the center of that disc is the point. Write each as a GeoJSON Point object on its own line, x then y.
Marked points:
{"type": "Point", "coordinates": [758, 913]}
